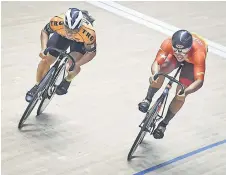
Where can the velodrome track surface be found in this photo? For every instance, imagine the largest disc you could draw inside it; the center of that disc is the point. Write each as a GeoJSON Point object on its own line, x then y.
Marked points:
{"type": "Point", "coordinates": [91, 129]}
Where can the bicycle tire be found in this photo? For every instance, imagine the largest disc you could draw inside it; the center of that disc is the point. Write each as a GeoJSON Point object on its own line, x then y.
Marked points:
{"type": "Point", "coordinates": [136, 143]}
{"type": "Point", "coordinates": [44, 82]}
{"type": "Point", "coordinates": [28, 111]}
{"type": "Point", "coordinates": [143, 131]}
{"type": "Point", "coordinates": [46, 98]}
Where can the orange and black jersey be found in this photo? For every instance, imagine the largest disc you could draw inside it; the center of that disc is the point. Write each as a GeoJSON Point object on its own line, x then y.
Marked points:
{"type": "Point", "coordinates": [86, 33]}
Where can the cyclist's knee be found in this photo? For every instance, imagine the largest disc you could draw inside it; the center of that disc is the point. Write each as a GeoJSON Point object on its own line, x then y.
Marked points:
{"type": "Point", "coordinates": [158, 83]}
{"type": "Point", "coordinates": [48, 60]}
{"type": "Point", "coordinates": [180, 99]}
{"type": "Point", "coordinates": [76, 70]}
{"type": "Point", "coordinates": [73, 73]}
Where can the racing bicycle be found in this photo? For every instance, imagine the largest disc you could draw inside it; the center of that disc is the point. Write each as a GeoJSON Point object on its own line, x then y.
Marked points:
{"type": "Point", "coordinates": [153, 115]}
{"type": "Point", "coordinates": [49, 83]}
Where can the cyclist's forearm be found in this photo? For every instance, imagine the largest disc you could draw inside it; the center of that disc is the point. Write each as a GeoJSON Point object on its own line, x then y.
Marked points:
{"type": "Point", "coordinates": [44, 39]}
{"type": "Point", "coordinates": [194, 87]}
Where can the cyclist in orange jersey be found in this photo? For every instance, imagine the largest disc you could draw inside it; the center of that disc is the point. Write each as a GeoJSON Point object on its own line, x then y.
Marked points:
{"type": "Point", "coordinates": [184, 47]}
{"type": "Point", "coordinates": [73, 30]}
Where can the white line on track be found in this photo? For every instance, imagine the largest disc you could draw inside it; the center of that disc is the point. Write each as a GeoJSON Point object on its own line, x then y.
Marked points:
{"type": "Point", "coordinates": [151, 22]}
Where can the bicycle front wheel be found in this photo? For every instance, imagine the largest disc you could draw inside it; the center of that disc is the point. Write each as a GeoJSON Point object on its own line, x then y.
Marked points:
{"type": "Point", "coordinates": [51, 90]}
{"type": "Point", "coordinates": [41, 87]}
{"type": "Point", "coordinates": [146, 127]}
{"type": "Point", "coordinates": [28, 110]}
{"type": "Point", "coordinates": [137, 141]}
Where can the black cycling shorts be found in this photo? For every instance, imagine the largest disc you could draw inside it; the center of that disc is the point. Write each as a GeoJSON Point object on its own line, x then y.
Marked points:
{"type": "Point", "coordinates": [62, 43]}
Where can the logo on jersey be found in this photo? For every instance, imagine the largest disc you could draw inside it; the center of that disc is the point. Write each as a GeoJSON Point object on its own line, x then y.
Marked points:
{"type": "Point", "coordinates": [56, 23]}
{"type": "Point", "coordinates": [163, 56]}
{"type": "Point", "coordinates": [198, 41]}
{"type": "Point", "coordinates": [88, 35]}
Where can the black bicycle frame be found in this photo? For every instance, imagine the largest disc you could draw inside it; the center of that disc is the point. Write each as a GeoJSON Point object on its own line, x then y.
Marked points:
{"type": "Point", "coordinates": [165, 93]}
{"type": "Point", "coordinates": [62, 54]}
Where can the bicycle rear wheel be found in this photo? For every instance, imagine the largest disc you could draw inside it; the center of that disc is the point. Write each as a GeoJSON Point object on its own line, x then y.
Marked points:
{"type": "Point", "coordinates": [51, 90]}
{"type": "Point", "coordinates": [41, 87]}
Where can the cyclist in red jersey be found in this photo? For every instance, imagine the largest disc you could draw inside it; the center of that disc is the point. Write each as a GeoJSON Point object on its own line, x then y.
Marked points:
{"type": "Point", "coordinates": [184, 47]}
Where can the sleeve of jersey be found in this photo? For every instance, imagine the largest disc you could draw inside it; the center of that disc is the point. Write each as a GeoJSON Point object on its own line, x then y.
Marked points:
{"type": "Point", "coordinates": [91, 45]}
{"type": "Point", "coordinates": [48, 29]}
{"type": "Point", "coordinates": [199, 66]}
{"type": "Point", "coordinates": [163, 52]}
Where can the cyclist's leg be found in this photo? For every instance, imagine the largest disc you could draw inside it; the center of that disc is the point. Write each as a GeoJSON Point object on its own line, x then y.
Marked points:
{"type": "Point", "coordinates": [55, 41]}
{"type": "Point", "coordinates": [167, 67]}
{"type": "Point", "coordinates": [78, 52]}
{"type": "Point", "coordinates": [65, 84]}
{"type": "Point", "coordinates": [77, 68]}
{"type": "Point", "coordinates": [44, 65]}
{"type": "Point", "coordinates": [186, 78]}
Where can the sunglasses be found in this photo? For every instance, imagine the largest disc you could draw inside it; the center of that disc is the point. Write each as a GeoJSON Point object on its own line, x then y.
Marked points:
{"type": "Point", "coordinates": [181, 51]}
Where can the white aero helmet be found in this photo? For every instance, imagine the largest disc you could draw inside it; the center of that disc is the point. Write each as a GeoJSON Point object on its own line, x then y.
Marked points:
{"type": "Point", "coordinates": [73, 18]}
